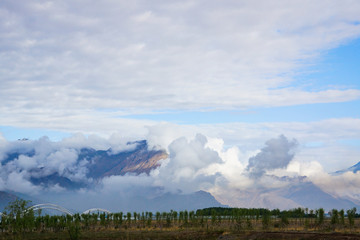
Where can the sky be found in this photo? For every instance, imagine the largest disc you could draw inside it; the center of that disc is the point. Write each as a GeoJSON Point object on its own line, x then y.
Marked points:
{"type": "Point", "coordinates": [238, 72]}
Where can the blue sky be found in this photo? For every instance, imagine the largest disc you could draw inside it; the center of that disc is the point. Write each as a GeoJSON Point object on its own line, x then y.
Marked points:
{"type": "Point", "coordinates": [337, 68]}
{"type": "Point", "coordinates": [218, 69]}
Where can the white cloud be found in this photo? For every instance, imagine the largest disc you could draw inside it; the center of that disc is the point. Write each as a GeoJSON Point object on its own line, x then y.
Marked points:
{"type": "Point", "coordinates": [72, 60]}
{"type": "Point", "coordinates": [195, 163]}
{"type": "Point", "coordinates": [341, 185]}
{"type": "Point", "coordinates": [185, 169]}
{"type": "Point", "coordinates": [327, 134]}
{"type": "Point", "coordinates": [17, 182]}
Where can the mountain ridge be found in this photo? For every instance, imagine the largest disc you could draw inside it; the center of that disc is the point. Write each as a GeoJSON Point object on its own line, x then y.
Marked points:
{"type": "Point", "coordinates": [355, 168]}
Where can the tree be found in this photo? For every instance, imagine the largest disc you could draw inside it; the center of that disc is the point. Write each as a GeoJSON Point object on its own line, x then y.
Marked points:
{"type": "Point", "coordinates": [174, 215]}
{"type": "Point", "coordinates": [118, 218]}
{"type": "Point", "coordinates": [342, 216]}
{"type": "Point", "coordinates": [334, 216]}
{"type": "Point", "coordinates": [320, 213]}
{"type": "Point", "coordinates": [266, 219]}
{"type": "Point", "coordinates": [128, 218]}
{"type": "Point", "coordinates": [20, 218]}
{"type": "Point", "coordinates": [186, 217]}
{"type": "Point", "coordinates": [73, 226]}
{"type": "Point", "coordinates": [351, 215]}
{"type": "Point", "coordinates": [158, 217]}
{"type": "Point", "coordinates": [284, 219]}
{"type": "Point", "coordinates": [86, 219]}
{"type": "Point", "coordinates": [102, 219]}
{"type": "Point", "coordinates": [213, 217]}
{"type": "Point", "coordinates": [149, 220]}
{"type": "Point", "coordinates": [135, 217]}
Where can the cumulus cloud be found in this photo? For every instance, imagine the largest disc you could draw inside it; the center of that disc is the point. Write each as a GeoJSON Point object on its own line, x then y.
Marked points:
{"type": "Point", "coordinates": [18, 182]}
{"type": "Point", "coordinates": [185, 169]}
{"type": "Point", "coordinates": [277, 154]}
{"type": "Point", "coordinates": [163, 134]}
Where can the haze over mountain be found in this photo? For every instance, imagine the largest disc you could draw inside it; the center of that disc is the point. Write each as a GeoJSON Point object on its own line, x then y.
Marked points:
{"type": "Point", "coordinates": [132, 160]}
{"type": "Point", "coordinates": [137, 177]}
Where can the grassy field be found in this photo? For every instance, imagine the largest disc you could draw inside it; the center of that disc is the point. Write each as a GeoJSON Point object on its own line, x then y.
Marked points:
{"type": "Point", "coordinates": [186, 234]}
{"type": "Point", "coordinates": [225, 230]}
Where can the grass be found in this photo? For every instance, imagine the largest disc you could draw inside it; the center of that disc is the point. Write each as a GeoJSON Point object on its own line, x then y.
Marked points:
{"type": "Point", "coordinates": [225, 230]}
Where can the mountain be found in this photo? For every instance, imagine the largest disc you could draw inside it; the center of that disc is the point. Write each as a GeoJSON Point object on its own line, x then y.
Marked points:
{"type": "Point", "coordinates": [311, 196]}
{"type": "Point", "coordinates": [98, 164]}
{"type": "Point", "coordinates": [298, 192]}
{"type": "Point", "coordinates": [353, 169]}
{"type": "Point", "coordinates": [139, 160]}
{"type": "Point", "coordinates": [192, 201]}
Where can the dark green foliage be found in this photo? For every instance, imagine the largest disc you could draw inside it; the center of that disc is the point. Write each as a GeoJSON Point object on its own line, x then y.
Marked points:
{"type": "Point", "coordinates": [334, 217]}
{"type": "Point", "coordinates": [222, 211]}
{"type": "Point", "coordinates": [73, 230]}
{"type": "Point", "coordinates": [18, 219]}
{"type": "Point", "coordinates": [128, 218]}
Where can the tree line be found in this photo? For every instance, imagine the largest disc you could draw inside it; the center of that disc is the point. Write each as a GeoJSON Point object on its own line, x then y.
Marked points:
{"type": "Point", "coordinates": [18, 219]}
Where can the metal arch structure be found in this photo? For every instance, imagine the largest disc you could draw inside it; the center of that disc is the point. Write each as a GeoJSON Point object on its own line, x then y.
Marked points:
{"type": "Point", "coordinates": [96, 210]}
{"type": "Point", "coordinates": [50, 206]}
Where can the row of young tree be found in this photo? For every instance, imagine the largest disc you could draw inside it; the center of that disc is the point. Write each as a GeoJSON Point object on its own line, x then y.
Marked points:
{"type": "Point", "coordinates": [310, 218]}
{"type": "Point", "coordinates": [19, 219]}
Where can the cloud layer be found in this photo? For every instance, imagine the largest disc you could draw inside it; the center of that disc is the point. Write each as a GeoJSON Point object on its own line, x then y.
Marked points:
{"type": "Point", "coordinates": [85, 61]}
{"type": "Point", "coordinates": [195, 163]}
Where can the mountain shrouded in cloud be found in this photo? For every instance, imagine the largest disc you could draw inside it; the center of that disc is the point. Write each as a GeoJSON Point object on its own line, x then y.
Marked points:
{"type": "Point", "coordinates": [80, 168]}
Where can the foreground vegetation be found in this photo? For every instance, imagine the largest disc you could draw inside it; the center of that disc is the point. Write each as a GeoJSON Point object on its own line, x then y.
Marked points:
{"type": "Point", "coordinates": [211, 223]}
